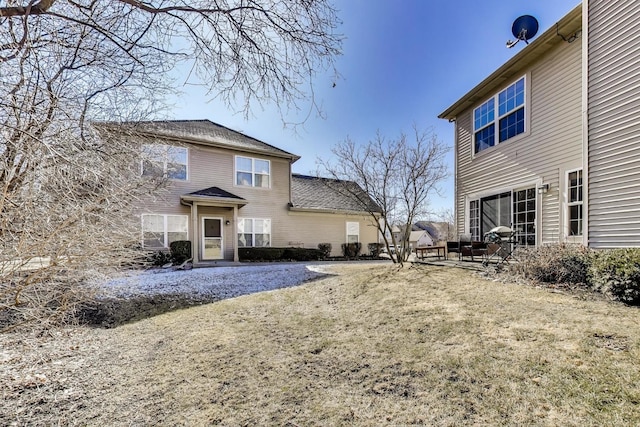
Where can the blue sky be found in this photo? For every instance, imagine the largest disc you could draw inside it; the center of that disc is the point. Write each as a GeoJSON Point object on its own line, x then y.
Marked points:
{"type": "Point", "coordinates": [403, 63]}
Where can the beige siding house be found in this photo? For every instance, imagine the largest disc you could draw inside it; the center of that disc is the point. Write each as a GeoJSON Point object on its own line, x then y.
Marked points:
{"type": "Point", "coordinates": [549, 144]}
{"type": "Point", "coordinates": [227, 190]}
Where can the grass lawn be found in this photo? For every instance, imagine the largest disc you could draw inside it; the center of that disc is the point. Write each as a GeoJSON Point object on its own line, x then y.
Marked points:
{"type": "Point", "coordinates": [373, 345]}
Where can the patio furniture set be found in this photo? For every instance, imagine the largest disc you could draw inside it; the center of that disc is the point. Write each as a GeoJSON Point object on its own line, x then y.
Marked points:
{"type": "Point", "coordinates": [498, 246]}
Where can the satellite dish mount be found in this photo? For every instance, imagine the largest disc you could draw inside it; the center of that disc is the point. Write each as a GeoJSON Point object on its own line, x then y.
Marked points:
{"type": "Point", "coordinates": [524, 28]}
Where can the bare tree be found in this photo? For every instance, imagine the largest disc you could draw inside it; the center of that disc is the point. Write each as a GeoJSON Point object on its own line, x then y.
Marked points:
{"type": "Point", "coordinates": [398, 174]}
{"type": "Point", "coordinates": [67, 192]}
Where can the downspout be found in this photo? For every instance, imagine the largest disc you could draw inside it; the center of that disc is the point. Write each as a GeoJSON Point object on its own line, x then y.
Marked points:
{"type": "Point", "coordinates": [455, 177]}
{"type": "Point", "coordinates": [234, 237]}
{"type": "Point", "coordinates": [195, 239]}
{"type": "Point", "coordinates": [290, 183]}
{"type": "Point", "coordinates": [585, 122]}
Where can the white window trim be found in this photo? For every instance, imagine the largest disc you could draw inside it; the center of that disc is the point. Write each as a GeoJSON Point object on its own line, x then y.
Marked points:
{"type": "Point", "coordinates": [496, 119]}
{"type": "Point", "coordinates": [164, 162]}
{"type": "Point", "coordinates": [347, 234]}
{"type": "Point", "coordinates": [567, 204]}
{"type": "Point", "coordinates": [253, 232]}
{"type": "Point", "coordinates": [523, 185]}
{"type": "Point", "coordinates": [165, 228]}
{"type": "Point", "coordinates": [253, 172]}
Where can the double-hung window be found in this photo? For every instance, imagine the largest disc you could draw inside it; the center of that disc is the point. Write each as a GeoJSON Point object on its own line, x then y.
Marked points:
{"type": "Point", "coordinates": [253, 172]}
{"type": "Point", "coordinates": [254, 232]}
{"type": "Point", "coordinates": [491, 127]}
{"type": "Point", "coordinates": [353, 232]}
{"type": "Point", "coordinates": [158, 230]}
{"type": "Point", "coordinates": [575, 202]}
{"type": "Point", "coordinates": [164, 160]}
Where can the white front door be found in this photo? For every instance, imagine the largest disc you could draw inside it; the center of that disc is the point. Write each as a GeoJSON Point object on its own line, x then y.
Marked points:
{"type": "Point", "coordinates": [212, 247]}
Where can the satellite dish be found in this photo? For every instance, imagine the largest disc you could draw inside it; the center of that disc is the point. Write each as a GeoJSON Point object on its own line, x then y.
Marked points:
{"type": "Point", "coordinates": [524, 28]}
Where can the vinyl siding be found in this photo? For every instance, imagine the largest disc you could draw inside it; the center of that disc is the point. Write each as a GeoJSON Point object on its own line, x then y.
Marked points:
{"type": "Point", "coordinates": [208, 167]}
{"type": "Point", "coordinates": [311, 228]}
{"type": "Point", "coordinates": [614, 124]}
{"type": "Point", "coordinates": [551, 144]}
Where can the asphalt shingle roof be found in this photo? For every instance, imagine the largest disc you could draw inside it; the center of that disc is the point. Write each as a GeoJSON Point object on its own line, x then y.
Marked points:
{"type": "Point", "coordinates": [310, 192]}
{"type": "Point", "coordinates": [215, 192]}
{"type": "Point", "coordinates": [209, 133]}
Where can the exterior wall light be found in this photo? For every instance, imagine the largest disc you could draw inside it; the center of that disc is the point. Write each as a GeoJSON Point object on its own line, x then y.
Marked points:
{"type": "Point", "coordinates": [543, 188]}
{"type": "Point", "coordinates": [227, 222]}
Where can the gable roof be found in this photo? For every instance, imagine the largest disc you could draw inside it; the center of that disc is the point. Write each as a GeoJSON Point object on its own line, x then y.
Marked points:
{"type": "Point", "coordinates": [569, 24]}
{"type": "Point", "coordinates": [437, 230]}
{"type": "Point", "coordinates": [204, 132]}
{"type": "Point", "coordinates": [415, 235]}
{"type": "Point", "coordinates": [213, 194]}
{"type": "Point", "coordinates": [322, 194]}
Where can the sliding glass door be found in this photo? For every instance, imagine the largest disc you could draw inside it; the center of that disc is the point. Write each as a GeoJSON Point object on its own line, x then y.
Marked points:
{"type": "Point", "coordinates": [495, 211]}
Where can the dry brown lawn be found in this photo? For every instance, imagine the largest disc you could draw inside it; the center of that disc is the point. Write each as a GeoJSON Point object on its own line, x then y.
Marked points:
{"type": "Point", "coordinates": [373, 345]}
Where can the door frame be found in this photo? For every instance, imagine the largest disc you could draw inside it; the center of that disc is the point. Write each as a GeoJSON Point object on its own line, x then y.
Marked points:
{"type": "Point", "coordinates": [202, 237]}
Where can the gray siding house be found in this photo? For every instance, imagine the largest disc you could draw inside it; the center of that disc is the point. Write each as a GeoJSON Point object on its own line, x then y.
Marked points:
{"type": "Point", "coordinates": [549, 144]}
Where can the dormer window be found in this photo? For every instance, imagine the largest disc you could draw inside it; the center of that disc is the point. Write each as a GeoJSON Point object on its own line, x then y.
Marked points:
{"type": "Point", "coordinates": [490, 128]}
{"type": "Point", "coordinates": [253, 172]}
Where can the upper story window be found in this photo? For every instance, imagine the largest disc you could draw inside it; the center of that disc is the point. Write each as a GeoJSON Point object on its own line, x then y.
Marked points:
{"type": "Point", "coordinates": [164, 160]}
{"type": "Point", "coordinates": [253, 172]}
{"type": "Point", "coordinates": [507, 122]}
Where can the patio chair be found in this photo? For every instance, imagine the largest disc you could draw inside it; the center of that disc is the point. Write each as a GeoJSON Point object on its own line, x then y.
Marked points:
{"type": "Point", "coordinates": [463, 240]}
{"type": "Point", "coordinates": [453, 247]}
{"type": "Point", "coordinates": [476, 248]}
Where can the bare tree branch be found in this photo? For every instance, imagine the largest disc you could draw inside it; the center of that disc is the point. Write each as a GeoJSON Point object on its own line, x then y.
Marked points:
{"type": "Point", "coordinates": [69, 194]}
{"type": "Point", "coordinates": [398, 174]}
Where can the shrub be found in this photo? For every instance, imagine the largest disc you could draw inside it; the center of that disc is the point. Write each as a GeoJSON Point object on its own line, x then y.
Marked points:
{"type": "Point", "coordinates": [180, 251]}
{"type": "Point", "coordinates": [302, 254]}
{"type": "Point", "coordinates": [616, 273]}
{"type": "Point", "coordinates": [160, 258]}
{"type": "Point", "coordinates": [351, 250]}
{"type": "Point", "coordinates": [375, 248]}
{"type": "Point", "coordinates": [557, 263]}
{"type": "Point", "coordinates": [260, 254]}
{"type": "Point", "coordinates": [279, 254]}
{"type": "Point", "coordinates": [325, 248]}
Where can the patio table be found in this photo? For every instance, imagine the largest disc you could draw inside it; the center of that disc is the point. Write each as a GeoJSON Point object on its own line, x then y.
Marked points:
{"type": "Point", "coordinates": [422, 251]}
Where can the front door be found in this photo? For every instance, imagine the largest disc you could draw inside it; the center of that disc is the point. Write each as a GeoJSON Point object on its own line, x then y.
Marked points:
{"type": "Point", "coordinates": [212, 247]}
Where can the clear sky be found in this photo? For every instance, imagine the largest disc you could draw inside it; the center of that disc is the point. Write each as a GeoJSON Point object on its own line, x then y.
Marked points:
{"type": "Point", "coordinates": [403, 63]}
